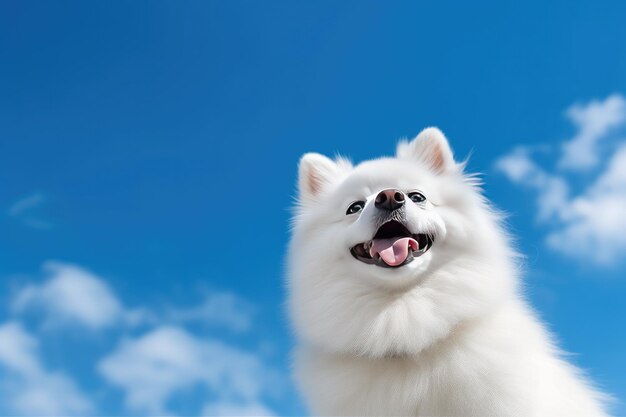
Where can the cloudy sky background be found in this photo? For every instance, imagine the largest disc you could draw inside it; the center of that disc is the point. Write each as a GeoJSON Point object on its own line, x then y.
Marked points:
{"type": "Point", "coordinates": [148, 154]}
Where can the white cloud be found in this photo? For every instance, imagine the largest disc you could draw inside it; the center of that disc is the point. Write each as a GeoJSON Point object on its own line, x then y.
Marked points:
{"type": "Point", "coordinates": [219, 308]}
{"type": "Point", "coordinates": [594, 121]}
{"type": "Point", "coordinates": [72, 295]}
{"type": "Point", "coordinates": [28, 388]}
{"type": "Point", "coordinates": [17, 349]}
{"type": "Point", "coordinates": [592, 222]}
{"type": "Point", "coordinates": [234, 409]}
{"type": "Point", "coordinates": [169, 360]}
{"type": "Point", "coordinates": [150, 368]}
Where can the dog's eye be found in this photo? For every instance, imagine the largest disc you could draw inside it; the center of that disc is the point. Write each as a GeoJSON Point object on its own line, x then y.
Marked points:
{"type": "Point", "coordinates": [417, 197]}
{"type": "Point", "coordinates": [355, 207]}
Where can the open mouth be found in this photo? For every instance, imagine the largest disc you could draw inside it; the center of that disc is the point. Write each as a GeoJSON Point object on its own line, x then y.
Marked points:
{"type": "Point", "coordinates": [392, 246]}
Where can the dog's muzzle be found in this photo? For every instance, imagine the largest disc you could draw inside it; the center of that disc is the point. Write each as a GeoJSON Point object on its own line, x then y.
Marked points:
{"type": "Point", "coordinates": [392, 246]}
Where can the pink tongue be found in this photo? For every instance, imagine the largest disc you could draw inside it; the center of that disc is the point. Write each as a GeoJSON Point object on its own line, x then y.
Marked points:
{"type": "Point", "coordinates": [393, 251]}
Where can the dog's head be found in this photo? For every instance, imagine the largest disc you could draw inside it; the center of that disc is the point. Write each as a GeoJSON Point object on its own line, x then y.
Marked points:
{"type": "Point", "coordinates": [368, 238]}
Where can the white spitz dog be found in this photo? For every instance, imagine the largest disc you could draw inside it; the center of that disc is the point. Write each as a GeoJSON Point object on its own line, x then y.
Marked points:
{"type": "Point", "coordinates": [405, 296]}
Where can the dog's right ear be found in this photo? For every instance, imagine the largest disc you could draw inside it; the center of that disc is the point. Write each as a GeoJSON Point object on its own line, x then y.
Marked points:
{"type": "Point", "coordinates": [316, 172]}
{"type": "Point", "coordinates": [431, 148]}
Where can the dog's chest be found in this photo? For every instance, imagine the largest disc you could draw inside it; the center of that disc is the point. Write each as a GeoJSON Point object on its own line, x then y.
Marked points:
{"type": "Point", "coordinates": [341, 385]}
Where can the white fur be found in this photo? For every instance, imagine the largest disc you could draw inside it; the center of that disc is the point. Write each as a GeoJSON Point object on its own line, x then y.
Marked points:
{"type": "Point", "coordinates": [448, 334]}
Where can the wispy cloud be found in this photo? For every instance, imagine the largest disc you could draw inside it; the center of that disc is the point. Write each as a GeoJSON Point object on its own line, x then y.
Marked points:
{"type": "Point", "coordinates": [27, 388]}
{"type": "Point", "coordinates": [590, 221]}
{"type": "Point", "coordinates": [521, 169]}
{"type": "Point", "coordinates": [218, 308]}
{"type": "Point", "coordinates": [593, 120]}
{"type": "Point", "coordinates": [26, 203]}
{"type": "Point", "coordinates": [24, 209]}
{"type": "Point", "coordinates": [157, 365]}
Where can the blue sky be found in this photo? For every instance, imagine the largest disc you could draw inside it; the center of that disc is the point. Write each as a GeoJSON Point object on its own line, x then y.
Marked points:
{"type": "Point", "coordinates": [148, 154]}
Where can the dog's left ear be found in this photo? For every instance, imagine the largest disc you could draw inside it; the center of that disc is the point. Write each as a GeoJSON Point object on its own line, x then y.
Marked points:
{"type": "Point", "coordinates": [431, 148]}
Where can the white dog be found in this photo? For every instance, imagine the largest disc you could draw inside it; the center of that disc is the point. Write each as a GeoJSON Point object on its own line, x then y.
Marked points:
{"type": "Point", "coordinates": [404, 293]}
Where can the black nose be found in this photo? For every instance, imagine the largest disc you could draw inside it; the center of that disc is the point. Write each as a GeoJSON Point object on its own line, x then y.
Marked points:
{"type": "Point", "coordinates": [389, 200]}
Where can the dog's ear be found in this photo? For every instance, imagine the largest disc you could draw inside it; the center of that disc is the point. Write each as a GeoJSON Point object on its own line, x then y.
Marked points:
{"type": "Point", "coordinates": [316, 172]}
{"type": "Point", "coordinates": [430, 147]}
